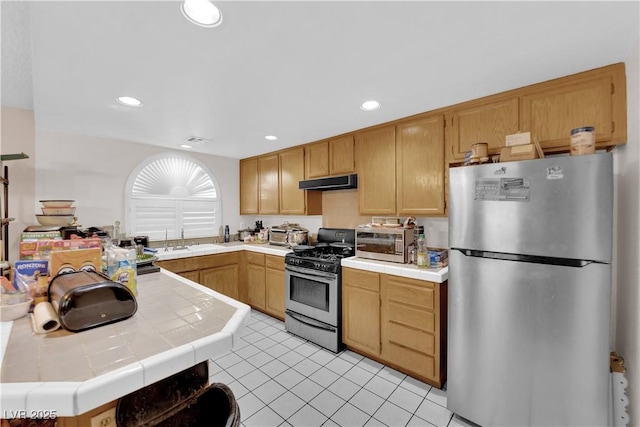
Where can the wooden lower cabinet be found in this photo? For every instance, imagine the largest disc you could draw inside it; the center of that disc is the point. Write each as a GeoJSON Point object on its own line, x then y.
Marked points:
{"type": "Point", "coordinates": [250, 277]}
{"type": "Point", "coordinates": [361, 310]}
{"type": "Point", "coordinates": [265, 283]}
{"type": "Point", "coordinates": [185, 267]}
{"type": "Point", "coordinates": [221, 279]}
{"type": "Point", "coordinates": [255, 280]}
{"type": "Point", "coordinates": [397, 321]}
{"type": "Point", "coordinates": [217, 271]}
{"type": "Point", "coordinates": [191, 275]}
{"type": "Point", "coordinates": [274, 286]}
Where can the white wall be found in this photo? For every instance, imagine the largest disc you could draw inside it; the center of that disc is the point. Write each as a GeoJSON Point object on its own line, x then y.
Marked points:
{"type": "Point", "coordinates": [627, 253]}
{"type": "Point", "coordinates": [93, 171]}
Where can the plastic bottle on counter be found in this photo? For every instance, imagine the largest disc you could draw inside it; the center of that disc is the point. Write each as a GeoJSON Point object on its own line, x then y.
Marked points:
{"type": "Point", "coordinates": [422, 260]}
{"type": "Point", "coordinates": [122, 266]}
{"type": "Point", "coordinates": [226, 234]}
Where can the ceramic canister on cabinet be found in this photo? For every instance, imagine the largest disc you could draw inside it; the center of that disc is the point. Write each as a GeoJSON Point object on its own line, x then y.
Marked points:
{"type": "Point", "coordinates": [583, 141]}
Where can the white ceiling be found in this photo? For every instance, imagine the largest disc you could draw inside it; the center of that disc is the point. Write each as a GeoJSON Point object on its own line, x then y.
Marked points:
{"type": "Point", "coordinates": [295, 69]}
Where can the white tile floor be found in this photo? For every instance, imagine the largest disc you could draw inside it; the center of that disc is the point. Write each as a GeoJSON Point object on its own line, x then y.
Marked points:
{"type": "Point", "coordinates": [282, 380]}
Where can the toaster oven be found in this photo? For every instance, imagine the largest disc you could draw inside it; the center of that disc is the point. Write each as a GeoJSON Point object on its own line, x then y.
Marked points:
{"type": "Point", "coordinates": [278, 236]}
{"type": "Point", "coordinates": [384, 244]}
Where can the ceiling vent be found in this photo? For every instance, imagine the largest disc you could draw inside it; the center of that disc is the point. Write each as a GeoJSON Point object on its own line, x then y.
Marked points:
{"type": "Point", "coordinates": [196, 140]}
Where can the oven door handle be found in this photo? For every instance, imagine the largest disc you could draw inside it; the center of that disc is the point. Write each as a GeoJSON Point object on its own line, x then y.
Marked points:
{"type": "Point", "coordinates": [310, 322]}
{"type": "Point", "coordinates": [308, 272]}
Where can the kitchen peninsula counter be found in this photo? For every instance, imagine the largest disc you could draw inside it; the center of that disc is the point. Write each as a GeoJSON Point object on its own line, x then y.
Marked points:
{"type": "Point", "coordinates": [178, 324]}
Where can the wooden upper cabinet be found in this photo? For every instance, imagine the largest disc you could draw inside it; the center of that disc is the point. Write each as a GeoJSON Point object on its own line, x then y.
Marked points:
{"type": "Point", "coordinates": [375, 152]}
{"type": "Point", "coordinates": [249, 186]}
{"type": "Point", "coordinates": [268, 184]}
{"type": "Point", "coordinates": [420, 169]}
{"type": "Point", "coordinates": [341, 155]}
{"type": "Point", "coordinates": [551, 110]}
{"type": "Point", "coordinates": [317, 160]}
{"type": "Point", "coordinates": [488, 120]}
{"type": "Point", "coordinates": [292, 199]}
{"type": "Point", "coordinates": [331, 157]}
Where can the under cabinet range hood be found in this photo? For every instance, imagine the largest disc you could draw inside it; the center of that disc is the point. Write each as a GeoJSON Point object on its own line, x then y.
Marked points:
{"type": "Point", "coordinates": [331, 183]}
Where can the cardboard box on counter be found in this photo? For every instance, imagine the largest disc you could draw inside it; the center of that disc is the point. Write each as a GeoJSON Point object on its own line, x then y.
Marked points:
{"type": "Point", "coordinates": [41, 249]}
{"type": "Point", "coordinates": [438, 258]}
{"type": "Point", "coordinates": [75, 260]}
{"type": "Point", "coordinates": [30, 236]}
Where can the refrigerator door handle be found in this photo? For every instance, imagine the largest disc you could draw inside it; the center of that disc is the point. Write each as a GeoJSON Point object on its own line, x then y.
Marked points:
{"type": "Point", "coordinates": [567, 262]}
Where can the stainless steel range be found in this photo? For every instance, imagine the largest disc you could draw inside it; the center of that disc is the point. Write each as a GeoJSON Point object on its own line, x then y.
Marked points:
{"type": "Point", "coordinates": [313, 287]}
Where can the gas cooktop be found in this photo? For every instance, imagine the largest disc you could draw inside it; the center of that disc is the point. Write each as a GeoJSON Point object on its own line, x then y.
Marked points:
{"type": "Point", "coordinates": [333, 245]}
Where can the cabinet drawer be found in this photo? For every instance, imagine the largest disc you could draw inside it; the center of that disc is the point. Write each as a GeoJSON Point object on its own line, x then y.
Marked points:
{"type": "Point", "coordinates": [414, 361]}
{"type": "Point", "coordinates": [275, 262]}
{"type": "Point", "coordinates": [412, 292]}
{"type": "Point", "coordinates": [255, 258]}
{"type": "Point", "coordinates": [179, 265]}
{"type": "Point", "coordinates": [216, 260]}
{"type": "Point", "coordinates": [361, 279]}
{"type": "Point", "coordinates": [413, 317]}
{"type": "Point", "coordinates": [413, 339]}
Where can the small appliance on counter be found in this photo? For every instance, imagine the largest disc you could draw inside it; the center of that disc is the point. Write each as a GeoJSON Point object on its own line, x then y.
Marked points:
{"type": "Point", "coordinates": [290, 235]}
{"type": "Point", "coordinates": [141, 240]}
{"type": "Point", "coordinates": [384, 243]}
{"type": "Point", "coordinates": [243, 234]}
{"type": "Point", "coordinates": [88, 299]}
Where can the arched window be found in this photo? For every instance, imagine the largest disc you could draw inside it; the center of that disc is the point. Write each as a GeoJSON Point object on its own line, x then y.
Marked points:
{"type": "Point", "coordinates": [170, 193]}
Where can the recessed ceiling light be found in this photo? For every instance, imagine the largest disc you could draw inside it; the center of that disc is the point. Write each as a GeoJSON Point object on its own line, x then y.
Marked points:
{"type": "Point", "coordinates": [271, 137]}
{"type": "Point", "coordinates": [370, 105]}
{"type": "Point", "coordinates": [202, 12]}
{"type": "Point", "coordinates": [129, 101]}
{"type": "Point", "coordinates": [185, 146]}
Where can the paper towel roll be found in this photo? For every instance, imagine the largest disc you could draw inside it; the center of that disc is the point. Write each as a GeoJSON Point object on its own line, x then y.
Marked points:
{"type": "Point", "coordinates": [45, 318]}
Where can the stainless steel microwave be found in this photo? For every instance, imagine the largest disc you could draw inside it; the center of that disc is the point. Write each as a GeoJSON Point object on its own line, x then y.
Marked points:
{"type": "Point", "coordinates": [384, 244]}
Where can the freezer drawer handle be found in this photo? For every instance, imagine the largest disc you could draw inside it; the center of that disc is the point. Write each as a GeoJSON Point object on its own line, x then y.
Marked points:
{"type": "Point", "coordinates": [567, 262]}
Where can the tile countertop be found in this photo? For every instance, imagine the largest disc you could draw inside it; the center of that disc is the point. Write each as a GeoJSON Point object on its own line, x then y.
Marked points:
{"type": "Point", "coordinates": [410, 271]}
{"type": "Point", "coordinates": [219, 248]}
{"type": "Point", "coordinates": [437, 275]}
{"type": "Point", "coordinates": [177, 325]}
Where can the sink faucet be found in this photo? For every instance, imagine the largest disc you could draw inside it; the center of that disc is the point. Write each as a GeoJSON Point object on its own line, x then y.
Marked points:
{"type": "Point", "coordinates": [166, 241]}
{"type": "Point", "coordinates": [183, 246]}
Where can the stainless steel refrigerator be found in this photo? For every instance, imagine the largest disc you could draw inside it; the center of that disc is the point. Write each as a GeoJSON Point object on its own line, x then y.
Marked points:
{"type": "Point", "coordinates": [529, 291]}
